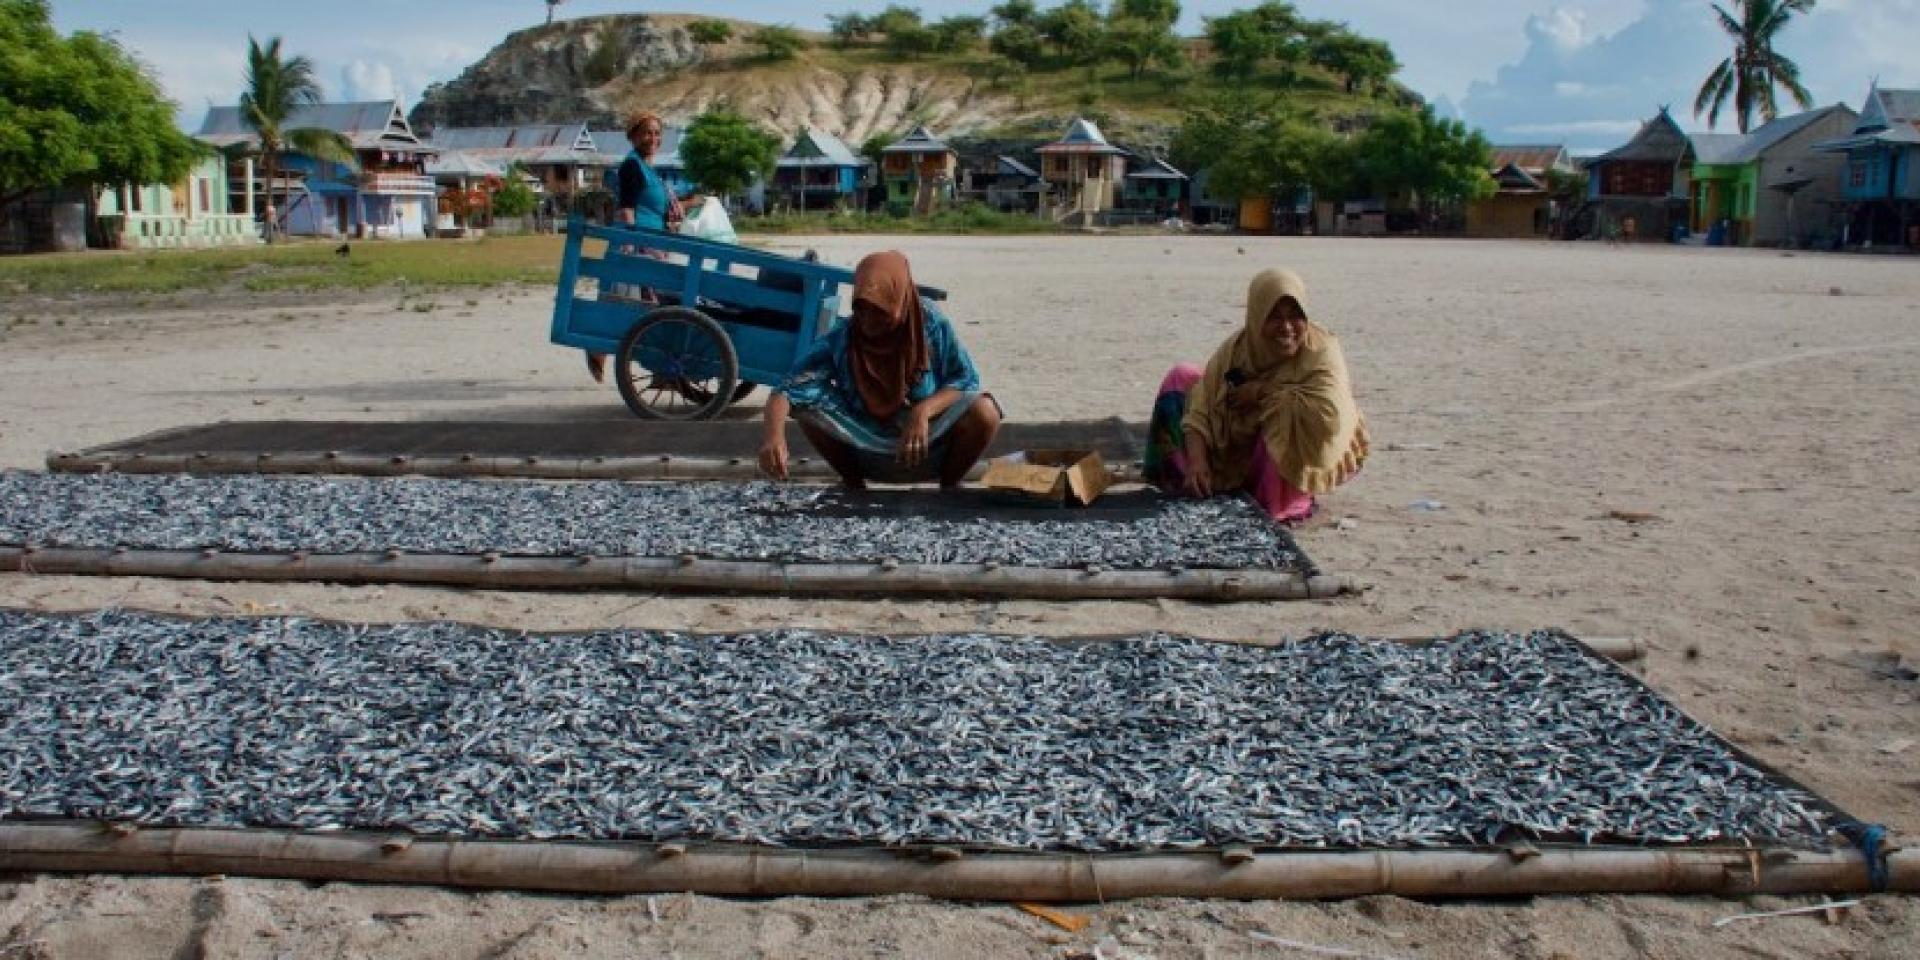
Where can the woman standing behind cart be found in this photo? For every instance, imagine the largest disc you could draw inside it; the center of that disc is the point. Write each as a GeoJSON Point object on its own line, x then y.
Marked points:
{"type": "Point", "coordinates": [889, 396]}
{"type": "Point", "coordinates": [642, 198]}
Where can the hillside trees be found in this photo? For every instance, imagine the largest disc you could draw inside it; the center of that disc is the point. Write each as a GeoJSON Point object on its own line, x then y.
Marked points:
{"type": "Point", "coordinates": [1252, 145]}
{"type": "Point", "coordinates": [1141, 43]}
{"type": "Point", "coordinates": [708, 33]}
{"type": "Point", "coordinates": [1419, 153]}
{"type": "Point", "coordinates": [78, 111]}
{"type": "Point", "coordinates": [849, 28]}
{"type": "Point", "coordinates": [778, 42]}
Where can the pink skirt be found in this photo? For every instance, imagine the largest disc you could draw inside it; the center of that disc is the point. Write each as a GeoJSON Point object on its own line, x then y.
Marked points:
{"type": "Point", "coordinates": [1281, 500]}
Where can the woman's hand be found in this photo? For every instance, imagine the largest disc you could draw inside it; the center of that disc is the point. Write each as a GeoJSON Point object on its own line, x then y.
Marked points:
{"type": "Point", "coordinates": [1199, 472]}
{"type": "Point", "coordinates": [773, 443]}
{"type": "Point", "coordinates": [913, 436]}
{"type": "Point", "coordinates": [1199, 477]}
{"type": "Point", "coordinates": [773, 457]}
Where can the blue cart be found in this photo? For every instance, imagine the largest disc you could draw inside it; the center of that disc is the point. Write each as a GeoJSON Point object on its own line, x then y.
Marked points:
{"type": "Point", "coordinates": [692, 325]}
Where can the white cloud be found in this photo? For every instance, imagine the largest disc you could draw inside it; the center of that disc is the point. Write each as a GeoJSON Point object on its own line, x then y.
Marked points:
{"type": "Point", "coordinates": [1593, 86]}
{"type": "Point", "coordinates": [361, 80]}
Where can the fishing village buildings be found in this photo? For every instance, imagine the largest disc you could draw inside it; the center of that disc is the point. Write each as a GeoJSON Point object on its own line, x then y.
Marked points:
{"type": "Point", "coordinates": [1880, 179]}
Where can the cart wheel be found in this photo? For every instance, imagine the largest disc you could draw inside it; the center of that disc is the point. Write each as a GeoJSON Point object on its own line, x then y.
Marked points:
{"type": "Point", "coordinates": [677, 364]}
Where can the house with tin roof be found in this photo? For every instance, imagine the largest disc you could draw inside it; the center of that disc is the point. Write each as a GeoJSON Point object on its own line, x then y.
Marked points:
{"type": "Point", "coordinates": [818, 172]}
{"type": "Point", "coordinates": [1880, 179]}
{"type": "Point", "coordinates": [1771, 186]}
{"type": "Point", "coordinates": [1523, 205]}
{"type": "Point", "coordinates": [919, 169]}
{"type": "Point", "coordinates": [562, 158]}
{"type": "Point", "coordinates": [1084, 170]}
{"type": "Point", "coordinates": [385, 192]}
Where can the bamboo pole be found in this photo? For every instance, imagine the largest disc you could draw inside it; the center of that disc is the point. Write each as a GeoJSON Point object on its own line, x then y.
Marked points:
{"type": "Point", "coordinates": [682, 573]}
{"type": "Point", "coordinates": [663, 467]}
{"type": "Point", "coordinates": [624, 868]}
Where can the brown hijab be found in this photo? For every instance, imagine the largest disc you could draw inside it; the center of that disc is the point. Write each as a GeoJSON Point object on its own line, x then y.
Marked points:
{"type": "Point", "coordinates": [887, 348]}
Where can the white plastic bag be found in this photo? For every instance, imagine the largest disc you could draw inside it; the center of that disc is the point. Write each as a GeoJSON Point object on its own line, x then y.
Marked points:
{"type": "Point", "coordinates": [710, 222]}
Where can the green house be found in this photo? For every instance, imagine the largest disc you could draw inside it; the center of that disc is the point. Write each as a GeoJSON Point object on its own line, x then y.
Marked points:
{"type": "Point", "coordinates": [1770, 186]}
{"type": "Point", "coordinates": [191, 213]}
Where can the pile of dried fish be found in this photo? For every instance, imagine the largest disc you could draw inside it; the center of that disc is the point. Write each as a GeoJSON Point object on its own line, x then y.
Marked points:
{"type": "Point", "coordinates": [755, 521]}
{"type": "Point", "coordinates": [812, 739]}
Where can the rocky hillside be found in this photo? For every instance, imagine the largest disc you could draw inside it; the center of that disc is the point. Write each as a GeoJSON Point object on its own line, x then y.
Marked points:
{"type": "Point", "coordinates": [563, 72]}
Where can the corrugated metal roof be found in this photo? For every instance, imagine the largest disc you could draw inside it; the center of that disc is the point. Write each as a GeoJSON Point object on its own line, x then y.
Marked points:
{"type": "Point", "coordinates": [1748, 148]}
{"type": "Point", "coordinates": [1009, 167]}
{"type": "Point", "coordinates": [368, 125]}
{"type": "Point", "coordinates": [816, 149]}
{"type": "Point", "coordinates": [1717, 148]}
{"type": "Point", "coordinates": [919, 141]}
{"type": "Point", "coordinates": [460, 163]}
{"type": "Point", "coordinates": [1531, 157]}
{"type": "Point", "coordinates": [533, 137]}
{"type": "Point", "coordinates": [1901, 106]}
{"type": "Point", "coordinates": [1515, 179]}
{"type": "Point", "coordinates": [1154, 168]}
{"type": "Point", "coordinates": [1082, 137]}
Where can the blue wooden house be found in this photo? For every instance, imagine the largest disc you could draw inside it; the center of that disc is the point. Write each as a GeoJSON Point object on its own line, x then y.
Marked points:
{"type": "Point", "coordinates": [1880, 183]}
{"type": "Point", "coordinates": [818, 172]}
{"type": "Point", "coordinates": [385, 193]}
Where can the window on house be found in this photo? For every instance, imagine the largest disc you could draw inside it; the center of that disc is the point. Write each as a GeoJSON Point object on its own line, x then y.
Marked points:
{"type": "Point", "coordinates": [1857, 174]}
{"type": "Point", "coordinates": [206, 194]}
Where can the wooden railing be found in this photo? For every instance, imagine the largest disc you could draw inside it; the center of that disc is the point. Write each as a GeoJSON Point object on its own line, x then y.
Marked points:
{"type": "Point", "coordinates": [396, 183]}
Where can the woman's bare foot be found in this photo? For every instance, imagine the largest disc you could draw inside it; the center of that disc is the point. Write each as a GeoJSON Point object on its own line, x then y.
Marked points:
{"type": "Point", "coordinates": [597, 367]}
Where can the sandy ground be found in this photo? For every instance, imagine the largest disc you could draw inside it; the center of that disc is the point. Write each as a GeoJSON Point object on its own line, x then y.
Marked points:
{"type": "Point", "coordinates": [1763, 407]}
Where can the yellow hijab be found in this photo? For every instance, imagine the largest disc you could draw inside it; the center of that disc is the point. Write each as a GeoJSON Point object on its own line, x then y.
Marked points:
{"type": "Point", "coordinates": [1307, 416]}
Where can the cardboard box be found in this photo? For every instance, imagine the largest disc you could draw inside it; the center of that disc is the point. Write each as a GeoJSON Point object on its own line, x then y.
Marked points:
{"type": "Point", "coordinates": [1058, 477]}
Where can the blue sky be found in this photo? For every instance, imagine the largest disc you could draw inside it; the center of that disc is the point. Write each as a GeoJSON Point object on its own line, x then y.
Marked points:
{"type": "Point", "coordinates": [1582, 72]}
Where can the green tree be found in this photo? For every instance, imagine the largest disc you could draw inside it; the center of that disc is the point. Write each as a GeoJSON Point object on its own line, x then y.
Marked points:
{"type": "Point", "coordinates": [897, 18]}
{"type": "Point", "coordinates": [850, 28]}
{"type": "Point", "coordinates": [1164, 12]}
{"type": "Point", "coordinates": [1016, 13]}
{"type": "Point", "coordinates": [514, 198]}
{"type": "Point", "coordinates": [778, 42]}
{"type": "Point", "coordinates": [1019, 43]}
{"type": "Point", "coordinates": [724, 152]}
{"type": "Point", "coordinates": [709, 33]}
{"type": "Point", "coordinates": [609, 55]}
{"type": "Point", "coordinates": [959, 34]}
{"type": "Point", "coordinates": [1356, 59]}
{"type": "Point", "coordinates": [874, 148]}
{"type": "Point", "coordinates": [79, 111]}
{"type": "Point", "coordinates": [1751, 75]}
{"type": "Point", "coordinates": [1431, 158]}
{"type": "Point", "coordinates": [1075, 30]}
{"type": "Point", "coordinates": [1142, 43]}
{"type": "Point", "coordinates": [1240, 45]}
{"type": "Point", "coordinates": [275, 89]}
{"type": "Point", "coordinates": [912, 41]}
{"type": "Point", "coordinates": [1251, 145]}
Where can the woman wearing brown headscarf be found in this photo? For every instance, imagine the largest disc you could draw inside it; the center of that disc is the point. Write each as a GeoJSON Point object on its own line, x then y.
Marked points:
{"type": "Point", "coordinates": [889, 396]}
{"type": "Point", "coordinates": [1272, 414]}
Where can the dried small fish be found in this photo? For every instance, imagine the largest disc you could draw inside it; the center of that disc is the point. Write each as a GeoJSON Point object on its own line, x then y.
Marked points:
{"type": "Point", "coordinates": [804, 738]}
{"type": "Point", "coordinates": [750, 521]}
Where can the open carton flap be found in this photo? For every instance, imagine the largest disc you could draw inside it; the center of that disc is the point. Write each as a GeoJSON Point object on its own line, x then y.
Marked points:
{"type": "Point", "coordinates": [1054, 476]}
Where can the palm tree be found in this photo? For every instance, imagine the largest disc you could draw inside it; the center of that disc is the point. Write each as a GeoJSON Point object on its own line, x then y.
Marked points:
{"type": "Point", "coordinates": [275, 89]}
{"type": "Point", "coordinates": [1754, 70]}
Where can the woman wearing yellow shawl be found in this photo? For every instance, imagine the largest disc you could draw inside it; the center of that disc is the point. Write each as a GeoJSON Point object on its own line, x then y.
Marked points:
{"type": "Point", "coordinates": [1272, 414]}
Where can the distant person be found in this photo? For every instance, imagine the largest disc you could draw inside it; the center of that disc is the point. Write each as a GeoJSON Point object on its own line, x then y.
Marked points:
{"type": "Point", "coordinates": [889, 396]}
{"type": "Point", "coordinates": [642, 199]}
{"type": "Point", "coordinates": [1272, 413]}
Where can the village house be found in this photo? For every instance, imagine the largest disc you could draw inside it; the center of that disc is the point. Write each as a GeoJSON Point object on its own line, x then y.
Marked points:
{"type": "Point", "coordinates": [1639, 191]}
{"type": "Point", "coordinates": [466, 183]}
{"type": "Point", "coordinates": [1084, 171]}
{"type": "Point", "coordinates": [195, 212]}
{"type": "Point", "coordinates": [1156, 189]}
{"type": "Point", "coordinates": [1013, 186]}
{"type": "Point", "coordinates": [1770, 187]}
{"type": "Point", "coordinates": [1880, 179]}
{"type": "Point", "coordinates": [918, 171]}
{"type": "Point", "coordinates": [817, 173]}
{"type": "Point", "coordinates": [385, 193]}
{"type": "Point", "coordinates": [1524, 206]}
{"type": "Point", "coordinates": [562, 158]}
